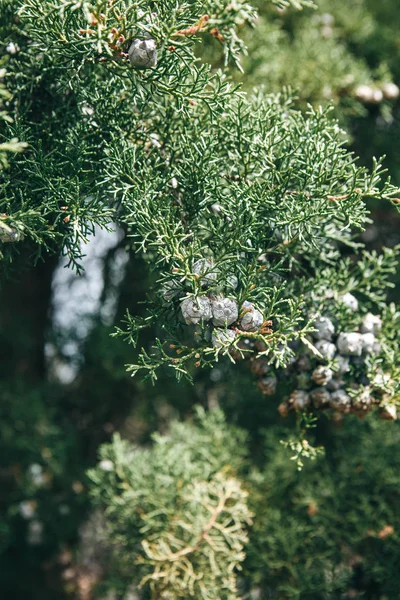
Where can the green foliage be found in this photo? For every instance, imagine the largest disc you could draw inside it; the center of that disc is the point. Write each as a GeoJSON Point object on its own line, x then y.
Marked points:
{"type": "Point", "coordinates": [300, 446]}
{"type": "Point", "coordinates": [324, 532]}
{"type": "Point", "coordinates": [333, 529]}
{"type": "Point", "coordinates": [55, 197]}
{"type": "Point", "coordinates": [326, 54]}
{"type": "Point", "coordinates": [40, 476]}
{"type": "Point", "coordinates": [85, 32]}
{"type": "Point", "coordinates": [264, 186]}
{"type": "Point", "coordinates": [285, 187]}
{"type": "Point", "coordinates": [13, 145]}
{"type": "Point", "coordinates": [176, 513]}
{"type": "Point", "coordinates": [283, 183]}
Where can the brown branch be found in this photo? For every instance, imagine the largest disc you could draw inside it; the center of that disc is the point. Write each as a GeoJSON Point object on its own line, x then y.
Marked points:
{"type": "Point", "coordinates": [204, 534]}
{"type": "Point", "coordinates": [193, 29]}
{"type": "Point", "coordinates": [344, 196]}
{"type": "Point", "coordinates": [215, 32]}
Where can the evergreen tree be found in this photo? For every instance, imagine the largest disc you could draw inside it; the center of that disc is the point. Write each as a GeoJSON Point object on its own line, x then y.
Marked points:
{"type": "Point", "coordinates": [241, 215]}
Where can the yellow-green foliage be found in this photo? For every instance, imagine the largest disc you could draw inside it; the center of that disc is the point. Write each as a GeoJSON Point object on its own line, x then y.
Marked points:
{"type": "Point", "coordinates": [176, 513]}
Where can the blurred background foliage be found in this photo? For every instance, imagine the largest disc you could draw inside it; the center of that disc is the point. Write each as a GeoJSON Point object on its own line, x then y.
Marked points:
{"type": "Point", "coordinates": [331, 531]}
